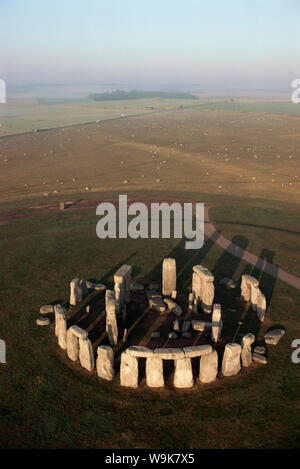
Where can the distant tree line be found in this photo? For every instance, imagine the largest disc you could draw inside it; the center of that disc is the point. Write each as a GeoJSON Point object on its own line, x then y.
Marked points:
{"type": "Point", "coordinates": [122, 95]}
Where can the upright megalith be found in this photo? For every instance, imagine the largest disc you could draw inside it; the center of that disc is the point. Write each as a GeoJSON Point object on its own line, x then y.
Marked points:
{"type": "Point", "coordinates": [105, 362]}
{"type": "Point", "coordinates": [74, 334]}
{"type": "Point", "coordinates": [76, 291]}
{"type": "Point", "coordinates": [208, 367]}
{"type": "Point", "coordinates": [86, 354]}
{"type": "Point", "coordinates": [154, 372]}
{"type": "Point", "coordinates": [248, 282]}
{"type": "Point", "coordinates": [111, 317]}
{"type": "Point", "coordinates": [61, 326]}
{"type": "Point", "coordinates": [129, 371]}
{"type": "Point", "coordinates": [231, 364]}
{"type": "Point", "coordinates": [122, 280]}
{"type": "Point", "coordinates": [168, 276]}
{"type": "Point", "coordinates": [246, 353]}
{"type": "Point", "coordinates": [216, 328]}
{"type": "Point", "coordinates": [183, 375]}
{"type": "Point", "coordinates": [258, 303]}
{"type": "Point", "coordinates": [203, 287]}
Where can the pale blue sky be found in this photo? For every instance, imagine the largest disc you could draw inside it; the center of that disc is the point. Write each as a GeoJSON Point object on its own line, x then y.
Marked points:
{"type": "Point", "coordinates": [216, 43]}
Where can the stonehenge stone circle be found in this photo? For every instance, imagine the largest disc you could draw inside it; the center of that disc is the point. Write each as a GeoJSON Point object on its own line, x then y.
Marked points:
{"type": "Point", "coordinates": [231, 364]}
{"type": "Point", "coordinates": [105, 363]}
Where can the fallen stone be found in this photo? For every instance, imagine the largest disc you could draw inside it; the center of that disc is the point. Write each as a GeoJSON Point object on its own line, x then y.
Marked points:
{"type": "Point", "coordinates": [260, 350]}
{"type": "Point", "coordinates": [198, 325]}
{"type": "Point", "coordinates": [47, 309]}
{"type": "Point", "coordinates": [154, 372]}
{"type": "Point", "coordinates": [78, 332]}
{"type": "Point", "coordinates": [183, 375]}
{"type": "Point", "coordinates": [43, 321]}
{"type": "Point", "coordinates": [173, 335]}
{"type": "Point", "coordinates": [216, 328]}
{"type": "Point", "coordinates": [157, 303]}
{"type": "Point", "coordinates": [197, 351]}
{"type": "Point", "coordinates": [273, 337]}
{"type": "Point", "coordinates": [259, 358]}
{"type": "Point", "coordinates": [231, 364]}
{"type": "Point", "coordinates": [105, 362]}
{"type": "Point", "coordinates": [208, 367]}
{"type": "Point", "coordinates": [173, 307]}
{"type": "Point", "coordinates": [129, 371]}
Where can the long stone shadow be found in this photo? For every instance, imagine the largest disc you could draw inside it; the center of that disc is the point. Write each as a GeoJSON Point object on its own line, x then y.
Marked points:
{"type": "Point", "coordinates": [228, 262]}
{"type": "Point", "coordinates": [265, 227]}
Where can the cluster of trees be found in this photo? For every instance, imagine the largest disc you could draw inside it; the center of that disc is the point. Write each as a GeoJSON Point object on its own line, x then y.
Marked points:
{"type": "Point", "coordinates": [122, 95]}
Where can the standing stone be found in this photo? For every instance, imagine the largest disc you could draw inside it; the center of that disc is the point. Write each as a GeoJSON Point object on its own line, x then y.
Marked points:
{"type": "Point", "coordinates": [191, 302]}
{"type": "Point", "coordinates": [122, 279]}
{"type": "Point", "coordinates": [129, 371]}
{"type": "Point", "coordinates": [174, 294]}
{"type": "Point", "coordinates": [61, 326]}
{"type": "Point", "coordinates": [154, 372]}
{"type": "Point", "coordinates": [76, 291]}
{"type": "Point", "coordinates": [258, 302]}
{"type": "Point", "coordinates": [216, 323]}
{"type": "Point", "coordinates": [246, 354]}
{"type": "Point", "coordinates": [208, 367]}
{"type": "Point", "coordinates": [196, 288]}
{"type": "Point", "coordinates": [183, 376]}
{"type": "Point", "coordinates": [74, 333]}
{"type": "Point", "coordinates": [111, 317]}
{"type": "Point", "coordinates": [203, 287]}
{"type": "Point", "coordinates": [186, 326]}
{"type": "Point", "coordinates": [168, 276]}
{"type": "Point", "coordinates": [86, 355]}
{"type": "Point", "coordinates": [247, 283]}
{"type": "Point", "coordinates": [208, 294]}
{"type": "Point", "coordinates": [105, 362]}
{"type": "Point", "coordinates": [231, 364]}
{"type": "Point", "coordinates": [176, 325]}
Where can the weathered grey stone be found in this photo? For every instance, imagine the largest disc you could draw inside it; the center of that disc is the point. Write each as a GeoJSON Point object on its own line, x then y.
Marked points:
{"type": "Point", "coordinates": [111, 317]}
{"type": "Point", "coordinates": [173, 307]}
{"type": "Point", "coordinates": [79, 332]}
{"type": "Point", "coordinates": [216, 323]}
{"type": "Point", "coordinates": [61, 326]}
{"type": "Point", "coordinates": [139, 351]}
{"type": "Point", "coordinates": [72, 345]}
{"type": "Point", "coordinates": [208, 367]}
{"type": "Point", "coordinates": [169, 353]}
{"type": "Point", "coordinates": [208, 294]}
{"type": "Point", "coordinates": [86, 355]}
{"type": "Point", "coordinates": [246, 353]}
{"type": "Point", "coordinates": [191, 301]}
{"type": "Point", "coordinates": [76, 291]}
{"type": "Point", "coordinates": [196, 288]}
{"type": "Point", "coordinates": [47, 309]}
{"type": "Point", "coordinates": [168, 276]}
{"type": "Point", "coordinates": [95, 286]}
{"type": "Point", "coordinates": [258, 302]}
{"type": "Point", "coordinates": [157, 303]}
{"type": "Point", "coordinates": [174, 294]}
{"type": "Point", "coordinates": [154, 372]}
{"type": "Point", "coordinates": [203, 273]}
{"type": "Point", "coordinates": [172, 335]}
{"type": "Point", "coordinates": [186, 326]}
{"type": "Point", "coordinates": [260, 350]}
{"type": "Point", "coordinates": [197, 351]}
{"type": "Point", "coordinates": [198, 325]}
{"type": "Point", "coordinates": [231, 364]}
{"type": "Point", "coordinates": [273, 337]}
{"type": "Point", "coordinates": [105, 363]}
{"type": "Point", "coordinates": [122, 279]}
{"type": "Point", "coordinates": [259, 358]}
{"type": "Point", "coordinates": [129, 371]}
{"type": "Point", "coordinates": [183, 375]}
{"type": "Point", "coordinates": [43, 321]}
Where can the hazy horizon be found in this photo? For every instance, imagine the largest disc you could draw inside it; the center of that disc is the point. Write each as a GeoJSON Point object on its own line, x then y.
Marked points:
{"type": "Point", "coordinates": [233, 45]}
